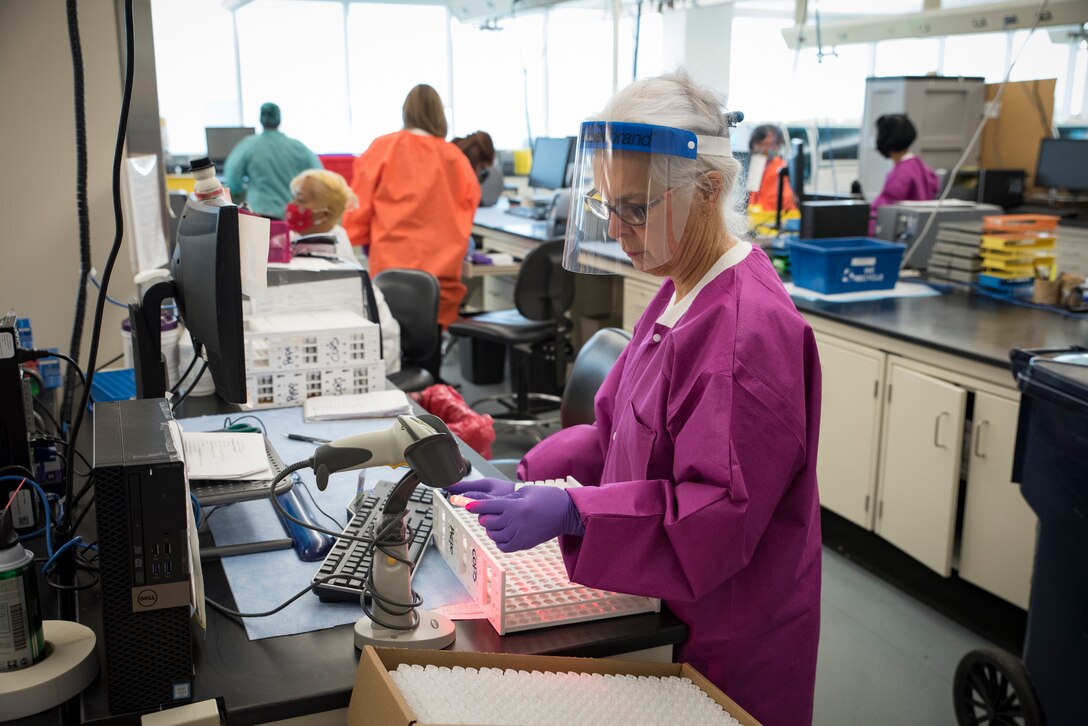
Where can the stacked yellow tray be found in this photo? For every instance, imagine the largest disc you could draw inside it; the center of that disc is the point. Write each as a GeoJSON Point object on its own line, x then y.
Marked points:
{"type": "Point", "coordinates": [1018, 246]}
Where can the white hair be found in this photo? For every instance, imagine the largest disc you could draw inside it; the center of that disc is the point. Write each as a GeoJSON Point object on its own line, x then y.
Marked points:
{"type": "Point", "coordinates": [676, 100]}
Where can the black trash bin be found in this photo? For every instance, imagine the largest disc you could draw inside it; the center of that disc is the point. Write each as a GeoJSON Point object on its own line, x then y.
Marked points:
{"type": "Point", "coordinates": [1051, 464]}
{"type": "Point", "coordinates": [1050, 685]}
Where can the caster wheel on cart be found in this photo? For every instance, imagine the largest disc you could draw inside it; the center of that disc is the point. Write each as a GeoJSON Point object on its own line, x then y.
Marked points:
{"type": "Point", "coordinates": [991, 688]}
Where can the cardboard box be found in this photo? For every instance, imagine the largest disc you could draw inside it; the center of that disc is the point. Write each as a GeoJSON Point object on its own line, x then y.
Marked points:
{"type": "Point", "coordinates": [376, 700]}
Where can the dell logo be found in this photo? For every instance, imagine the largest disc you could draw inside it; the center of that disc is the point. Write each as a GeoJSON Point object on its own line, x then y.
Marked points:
{"type": "Point", "coordinates": [147, 598]}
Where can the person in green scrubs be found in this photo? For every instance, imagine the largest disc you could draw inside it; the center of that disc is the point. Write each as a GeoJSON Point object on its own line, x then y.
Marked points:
{"type": "Point", "coordinates": [263, 166]}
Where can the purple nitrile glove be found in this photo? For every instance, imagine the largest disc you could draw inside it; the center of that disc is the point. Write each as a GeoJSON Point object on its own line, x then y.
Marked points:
{"type": "Point", "coordinates": [474, 488]}
{"type": "Point", "coordinates": [528, 517]}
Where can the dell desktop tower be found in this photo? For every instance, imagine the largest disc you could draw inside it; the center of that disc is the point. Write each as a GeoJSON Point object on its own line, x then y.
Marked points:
{"type": "Point", "coordinates": [142, 508]}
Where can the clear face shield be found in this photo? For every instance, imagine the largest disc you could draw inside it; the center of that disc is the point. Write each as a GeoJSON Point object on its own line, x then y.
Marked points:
{"type": "Point", "coordinates": [632, 193]}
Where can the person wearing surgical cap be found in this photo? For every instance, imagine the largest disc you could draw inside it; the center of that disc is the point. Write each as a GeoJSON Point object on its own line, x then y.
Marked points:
{"type": "Point", "coordinates": [262, 166]}
{"type": "Point", "coordinates": [699, 473]}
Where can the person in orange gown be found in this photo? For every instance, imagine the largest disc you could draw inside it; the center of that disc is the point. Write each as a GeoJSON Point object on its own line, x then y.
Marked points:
{"type": "Point", "coordinates": [417, 196]}
{"type": "Point", "coordinates": [769, 140]}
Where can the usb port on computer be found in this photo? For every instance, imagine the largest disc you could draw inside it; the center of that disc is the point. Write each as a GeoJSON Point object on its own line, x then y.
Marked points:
{"type": "Point", "coordinates": [166, 548]}
{"type": "Point", "coordinates": [166, 568]}
{"type": "Point", "coordinates": [154, 569]}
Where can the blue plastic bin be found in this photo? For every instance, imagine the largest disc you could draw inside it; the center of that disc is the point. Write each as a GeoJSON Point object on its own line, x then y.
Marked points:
{"type": "Point", "coordinates": [845, 264]}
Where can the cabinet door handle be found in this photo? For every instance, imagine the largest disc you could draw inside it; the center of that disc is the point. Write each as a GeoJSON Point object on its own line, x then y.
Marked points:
{"type": "Point", "coordinates": [978, 439]}
{"type": "Point", "coordinates": [937, 430]}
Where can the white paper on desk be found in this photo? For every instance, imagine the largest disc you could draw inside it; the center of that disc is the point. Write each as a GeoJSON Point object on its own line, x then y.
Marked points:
{"type": "Point", "coordinates": [143, 199]}
{"type": "Point", "coordinates": [225, 456]}
{"type": "Point", "coordinates": [196, 574]}
{"type": "Point", "coordinates": [462, 611]}
{"type": "Point", "coordinates": [344, 294]}
{"type": "Point", "coordinates": [253, 233]}
{"type": "Point", "coordinates": [375, 404]}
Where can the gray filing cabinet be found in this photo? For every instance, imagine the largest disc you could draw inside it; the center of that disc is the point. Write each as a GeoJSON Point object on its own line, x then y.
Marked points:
{"type": "Point", "coordinates": [945, 110]}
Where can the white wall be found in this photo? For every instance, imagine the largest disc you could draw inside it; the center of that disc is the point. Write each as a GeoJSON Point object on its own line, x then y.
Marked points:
{"type": "Point", "coordinates": [39, 236]}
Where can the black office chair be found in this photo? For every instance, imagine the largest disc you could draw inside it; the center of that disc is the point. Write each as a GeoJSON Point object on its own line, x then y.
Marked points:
{"type": "Point", "coordinates": [590, 368]}
{"type": "Point", "coordinates": [412, 296]}
{"type": "Point", "coordinates": [536, 330]}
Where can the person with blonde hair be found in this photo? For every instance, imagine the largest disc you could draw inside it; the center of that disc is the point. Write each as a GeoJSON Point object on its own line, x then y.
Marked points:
{"type": "Point", "coordinates": [319, 199]}
{"type": "Point", "coordinates": [417, 196]}
{"type": "Point", "coordinates": [699, 474]}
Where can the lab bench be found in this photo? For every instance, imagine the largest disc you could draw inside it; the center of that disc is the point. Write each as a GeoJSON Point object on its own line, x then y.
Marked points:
{"type": "Point", "coordinates": [309, 676]}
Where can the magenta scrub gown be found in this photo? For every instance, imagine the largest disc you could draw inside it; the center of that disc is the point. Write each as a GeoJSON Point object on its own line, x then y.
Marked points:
{"type": "Point", "coordinates": [909, 181]}
{"type": "Point", "coordinates": [701, 469]}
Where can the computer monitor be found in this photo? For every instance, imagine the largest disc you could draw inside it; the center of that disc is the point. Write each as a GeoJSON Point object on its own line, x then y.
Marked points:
{"type": "Point", "coordinates": [1063, 164]}
{"type": "Point", "coordinates": [222, 139]}
{"type": "Point", "coordinates": [206, 284]}
{"type": "Point", "coordinates": [551, 159]}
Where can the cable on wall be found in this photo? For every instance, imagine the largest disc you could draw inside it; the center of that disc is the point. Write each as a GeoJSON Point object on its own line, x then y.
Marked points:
{"type": "Point", "coordinates": [79, 98]}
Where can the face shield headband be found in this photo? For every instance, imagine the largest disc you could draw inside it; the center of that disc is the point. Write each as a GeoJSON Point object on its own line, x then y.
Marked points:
{"type": "Point", "coordinates": [632, 191]}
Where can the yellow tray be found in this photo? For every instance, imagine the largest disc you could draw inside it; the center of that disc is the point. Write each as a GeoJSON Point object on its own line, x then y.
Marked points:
{"type": "Point", "coordinates": [1001, 242]}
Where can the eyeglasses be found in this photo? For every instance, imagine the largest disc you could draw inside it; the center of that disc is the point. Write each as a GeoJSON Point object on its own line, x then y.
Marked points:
{"type": "Point", "coordinates": [629, 213]}
{"type": "Point", "coordinates": [483, 174]}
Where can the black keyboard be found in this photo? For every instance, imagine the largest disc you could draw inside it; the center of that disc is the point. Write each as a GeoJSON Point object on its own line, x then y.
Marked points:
{"type": "Point", "coordinates": [528, 212]}
{"type": "Point", "coordinates": [212, 491]}
{"type": "Point", "coordinates": [349, 561]}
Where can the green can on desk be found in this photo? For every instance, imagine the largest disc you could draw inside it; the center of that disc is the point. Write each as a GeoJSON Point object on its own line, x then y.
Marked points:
{"type": "Point", "coordinates": [22, 640]}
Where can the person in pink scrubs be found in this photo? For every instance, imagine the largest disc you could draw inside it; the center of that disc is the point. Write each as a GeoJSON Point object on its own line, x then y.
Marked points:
{"type": "Point", "coordinates": [699, 474]}
{"type": "Point", "coordinates": [910, 179]}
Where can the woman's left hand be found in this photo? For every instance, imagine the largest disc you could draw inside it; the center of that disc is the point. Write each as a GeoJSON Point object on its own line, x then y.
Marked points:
{"type": "Point", "coordinates": [528, 517]}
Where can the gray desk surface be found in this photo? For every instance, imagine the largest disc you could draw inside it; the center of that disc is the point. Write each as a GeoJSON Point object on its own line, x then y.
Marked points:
{"type": "Point", "coordinates": [495, 218]}
{"type": "Point", "coordinates": [972, 326]}
{"type": "Point", "coordinates": [975, 327]}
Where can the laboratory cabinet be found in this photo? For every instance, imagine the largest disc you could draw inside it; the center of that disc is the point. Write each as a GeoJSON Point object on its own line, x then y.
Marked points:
{"type": "Point", "coordinates": [998, 545]}
{"type": "Point", "coordinates": [902, 441]}
{"type": "Point", "coordinates": [918, 487]}
{"type": "Point", "coordinates": [853, 378]}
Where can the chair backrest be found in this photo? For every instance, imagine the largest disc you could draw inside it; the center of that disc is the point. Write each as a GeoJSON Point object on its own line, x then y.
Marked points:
{"type": "Point", "coordinates": [544, 290]}
{"type": "Point", "coordinates": [591, 366]}
{"type": "Point", "coordinates": [412, 296]}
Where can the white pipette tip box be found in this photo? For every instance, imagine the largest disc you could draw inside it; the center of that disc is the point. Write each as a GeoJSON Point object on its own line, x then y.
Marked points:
{"type": "Point", "coordinates": [523, 590]}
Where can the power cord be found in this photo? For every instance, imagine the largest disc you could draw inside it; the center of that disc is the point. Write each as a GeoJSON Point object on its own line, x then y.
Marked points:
{"type": "Point", "coordinates": [82, 207]}
{"type": "Point", "coordinates": [27, 355]}
{"type": "Point", "coordinates": [96, 328]}
{"type": "Point", "coordinates": [177, 402]}
{"type": "Point", "coordinates": [377, 542]}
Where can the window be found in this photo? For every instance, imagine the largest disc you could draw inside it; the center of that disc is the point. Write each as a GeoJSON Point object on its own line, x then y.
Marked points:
{"type": "Point", "coordinates": [579, 67]}
{"type": "Point", "coordinates": [497, 72]}
{"type": "Point", "coordinates": [907, 57]}
{"type": "Point", "coordinates": [760, 71]}
{"type": "Point", "coordinates": [292, 54]}
{"type": "Point", "coordinates": [983, 55]}
{"type": "Point", "coordinates": [650, 45]}
{"type": "Point", "coordinates": [393, 48]}
{"type": "Point", "coordinates": [187, 34]}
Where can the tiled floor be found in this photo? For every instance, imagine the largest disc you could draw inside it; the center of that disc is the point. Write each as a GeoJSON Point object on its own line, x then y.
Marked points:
{"type": "Point", "coordinates": [885, 658]}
